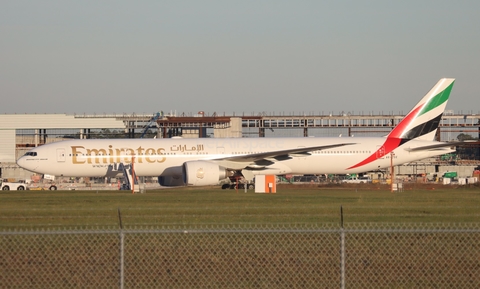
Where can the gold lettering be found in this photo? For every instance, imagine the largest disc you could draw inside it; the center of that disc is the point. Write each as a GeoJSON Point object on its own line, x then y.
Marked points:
{"type": "Point", "coordinates": [82, 155]}
{"type": "Point", "coordinates": [148, 154]}
{"type": "Point", "coordinates": [129, 153]}
{"type": "Point", "coordinates": [97, 156]}
{"type": "Point", "coordinates": [110, 152]}
{"type": "Point", "coordinates": [74, 154]}
{"type": "Point", "coordinates": [140, 154]}
{"type": "Point", "coordinates": [160, 151]}
{"type": "Point", "coordinates": [119, 153]}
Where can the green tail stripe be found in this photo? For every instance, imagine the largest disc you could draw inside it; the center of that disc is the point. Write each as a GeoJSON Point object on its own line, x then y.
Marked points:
{"type": "Point", "coordinates": [437, 100]}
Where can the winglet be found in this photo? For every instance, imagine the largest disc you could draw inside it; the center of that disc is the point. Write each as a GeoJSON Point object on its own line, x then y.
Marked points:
{"type": "Point", "coordinates": [423, 120]}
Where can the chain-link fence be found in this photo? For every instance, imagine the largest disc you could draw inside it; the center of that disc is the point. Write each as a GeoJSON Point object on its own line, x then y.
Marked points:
{"type": "Point", "coordinates": [357, 256]}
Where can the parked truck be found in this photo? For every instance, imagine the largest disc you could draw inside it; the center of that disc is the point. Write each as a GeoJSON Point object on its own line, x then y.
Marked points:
{"type": "Point", "coordinates": [7, 186]}
{"type": "Point", "coordinates": [357, 180]}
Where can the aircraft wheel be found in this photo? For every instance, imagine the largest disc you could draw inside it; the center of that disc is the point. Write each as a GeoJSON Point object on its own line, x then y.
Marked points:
{"type": "Point", "coordinates": [53, 188]}
{"type": "Point", "coordinates": [250, 187]}
{"type": "Point", "coordinates": [225, 186]}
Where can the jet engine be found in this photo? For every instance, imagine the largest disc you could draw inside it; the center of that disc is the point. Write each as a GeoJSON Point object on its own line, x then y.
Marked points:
{"type": "Point", "coordinates": [171, 181]}
{"type": "Point", "coordinates": [203, 173]}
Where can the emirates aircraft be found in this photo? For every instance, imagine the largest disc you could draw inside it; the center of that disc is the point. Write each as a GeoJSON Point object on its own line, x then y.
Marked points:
{"type": "Point", "coordinates": [206, 161]}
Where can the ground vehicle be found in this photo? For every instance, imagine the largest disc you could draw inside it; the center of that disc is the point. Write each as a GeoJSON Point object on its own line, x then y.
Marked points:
{"type": "Point", "coordinates": [6, 186]}
{"type": "Point", "coordinates": [450, 175]}
{"type": "Point", "coordinates": [357, 180]}
{"type": "Point", "coordinates": [36, 187]}
{"type": "Point", "coordinates": [238, 183]}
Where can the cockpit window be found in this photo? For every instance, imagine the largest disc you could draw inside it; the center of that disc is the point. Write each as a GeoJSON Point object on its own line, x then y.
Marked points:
{"type": "Point", "coordinates": [32, 154]}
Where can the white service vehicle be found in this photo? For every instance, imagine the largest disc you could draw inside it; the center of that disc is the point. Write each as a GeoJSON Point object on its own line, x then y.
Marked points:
{"type": "Point", "coordinates": [357, 180]}
{"type": "Point", "coordinates": [7, 186]}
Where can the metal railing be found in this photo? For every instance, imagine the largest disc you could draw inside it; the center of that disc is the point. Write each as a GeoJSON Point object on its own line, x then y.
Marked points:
{"type": "Point", "coordinates": [357, 256]}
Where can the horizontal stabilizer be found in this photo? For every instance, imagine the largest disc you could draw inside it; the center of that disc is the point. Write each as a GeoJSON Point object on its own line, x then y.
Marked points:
{"type": "Point", "coordinates": [438, 145]}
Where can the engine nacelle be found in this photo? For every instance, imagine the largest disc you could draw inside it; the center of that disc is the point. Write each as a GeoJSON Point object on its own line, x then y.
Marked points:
{"type": "Point", "coordinates": [171, 181]}
{"type": "Point", "coordinates": [203, 173]}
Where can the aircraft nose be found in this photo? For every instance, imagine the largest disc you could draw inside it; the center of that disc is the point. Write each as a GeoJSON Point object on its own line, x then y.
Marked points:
{"type": "Point", "coordinates": [21, 162]}
{"type": "Point", "coordinates": [27, 164]}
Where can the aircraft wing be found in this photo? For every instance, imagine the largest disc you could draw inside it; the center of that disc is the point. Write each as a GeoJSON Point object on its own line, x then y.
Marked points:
{"type": "Point", "coordinates": [282, 154]}
{"type": "Point", "coordinates": [439, 145]}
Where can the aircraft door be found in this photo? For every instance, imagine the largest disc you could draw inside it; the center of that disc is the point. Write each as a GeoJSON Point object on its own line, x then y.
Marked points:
{"type": "Point", "coordinates": [61, 155]}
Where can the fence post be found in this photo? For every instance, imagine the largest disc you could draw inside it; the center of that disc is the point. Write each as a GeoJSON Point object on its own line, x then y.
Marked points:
{"type": "Point", "coordinates": [342, 251]}
{"type": "Point", "coordinates": [122, 236]}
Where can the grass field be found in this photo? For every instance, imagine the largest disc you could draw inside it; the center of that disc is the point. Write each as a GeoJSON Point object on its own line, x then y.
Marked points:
{"type": "Point", "coordinates": [234, 259]}
{"type": "Point", "coordinates": [291, 204]}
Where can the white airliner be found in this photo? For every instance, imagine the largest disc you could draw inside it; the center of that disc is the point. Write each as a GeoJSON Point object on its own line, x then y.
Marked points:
{"type": "Point", "coordinates": [205, 161]}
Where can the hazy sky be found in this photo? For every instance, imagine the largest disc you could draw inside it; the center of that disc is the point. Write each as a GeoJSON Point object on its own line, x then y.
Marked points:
{"type": "Point", "coordinates": [236, 56]}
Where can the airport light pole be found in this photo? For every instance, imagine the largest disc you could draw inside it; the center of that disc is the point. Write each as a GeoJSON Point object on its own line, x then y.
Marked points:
{"type": "Point", "coordinates": [133, 174]}
{"type": "Point", "coordinates": [392, 172]}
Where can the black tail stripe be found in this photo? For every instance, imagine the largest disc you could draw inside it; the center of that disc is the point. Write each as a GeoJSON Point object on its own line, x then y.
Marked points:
{"type": "Point", "coordinates": [404, 140]}
{"type": "Point", "coordinates": [424, 128]}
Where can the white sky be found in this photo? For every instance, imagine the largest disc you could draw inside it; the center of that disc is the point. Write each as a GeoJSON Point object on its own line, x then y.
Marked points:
{"type": "Point", "coordinates": [236, 56]}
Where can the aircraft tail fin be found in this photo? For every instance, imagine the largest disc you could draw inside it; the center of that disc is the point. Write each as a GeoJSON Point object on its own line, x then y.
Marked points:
{"type": "Point", "coordinates": [420, 123]}
{"type": "Point", "coordinates": [423, 120]}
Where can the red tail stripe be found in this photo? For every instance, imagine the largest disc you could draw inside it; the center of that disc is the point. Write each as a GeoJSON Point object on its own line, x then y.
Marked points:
{"type": "Point", "coordinates": [388, 146]}
{"type": "Point", "coordinates": [393, 139]}
{"type": "Point", "coordinates": [400, 128]}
